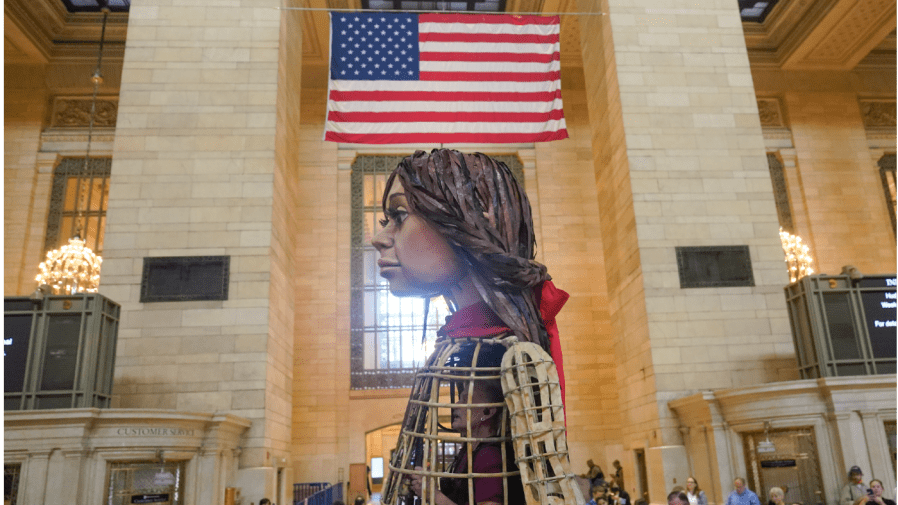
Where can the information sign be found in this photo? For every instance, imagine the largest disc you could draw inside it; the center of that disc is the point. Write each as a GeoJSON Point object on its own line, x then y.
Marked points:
{"type": "Point", "coordinates": [879, 298]}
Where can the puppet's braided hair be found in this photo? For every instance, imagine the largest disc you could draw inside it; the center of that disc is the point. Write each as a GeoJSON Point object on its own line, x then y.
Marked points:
{"type": "Point", "coordinates": [476, 203]}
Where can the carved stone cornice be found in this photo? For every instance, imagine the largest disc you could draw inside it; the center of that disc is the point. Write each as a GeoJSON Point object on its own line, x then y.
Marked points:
{"type": "Point", "coordinates": [878, 113]}
{"type": "Point", "coordinates": [771, 113]}
{"type": "Point", "coordinates": [74, 112]}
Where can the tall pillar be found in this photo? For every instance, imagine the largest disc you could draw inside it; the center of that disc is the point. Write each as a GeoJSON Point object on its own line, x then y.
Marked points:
{"type": "Point", "coordinates": [680, 161]}
{"type": "Point", "coordinates": [25, 98]}
{"type": "Point", "coordinates": [203, 166]}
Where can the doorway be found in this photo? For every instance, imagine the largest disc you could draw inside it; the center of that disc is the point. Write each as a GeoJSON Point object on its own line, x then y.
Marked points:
{"type": "Point", "coordinates": [643, 476]}
{"type": "Point", "coordinates": [789, 462]}
{"type": "Point", "coordinates": [145, 482]}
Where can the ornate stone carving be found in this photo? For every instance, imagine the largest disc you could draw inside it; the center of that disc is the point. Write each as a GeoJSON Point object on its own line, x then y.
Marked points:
{"type": "Point", "coordinates": [74, 112]}
{"type": "Point", "coordinates": [770, 112]}
{"type": "Point", "coordinates": [878, 113]}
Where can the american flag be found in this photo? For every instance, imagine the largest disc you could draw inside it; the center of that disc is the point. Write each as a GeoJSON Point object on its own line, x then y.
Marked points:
{"type": "Point", "coordinates": [398, 78]}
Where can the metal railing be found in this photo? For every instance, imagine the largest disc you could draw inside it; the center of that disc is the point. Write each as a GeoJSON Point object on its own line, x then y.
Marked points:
{"type": "Point", "coordinates": [317, 493]}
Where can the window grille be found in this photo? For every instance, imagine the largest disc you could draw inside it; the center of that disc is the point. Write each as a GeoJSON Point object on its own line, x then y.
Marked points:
{"type": "Point", "coordinates": [780, 192]}
{"type": "Point", "coordinates": [134, 482]}
{"type": "Point", "coordinates": [386, 344]}
{"type": "Point", "coordinates": [887, 173]}
{"type": "Point", "coordinates": [11, 472]}
{"type": "Point", "coordinates": [73, 186]}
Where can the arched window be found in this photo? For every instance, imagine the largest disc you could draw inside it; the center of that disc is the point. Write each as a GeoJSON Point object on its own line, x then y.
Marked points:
{"type": "Point", "coordinates": [75, 188]}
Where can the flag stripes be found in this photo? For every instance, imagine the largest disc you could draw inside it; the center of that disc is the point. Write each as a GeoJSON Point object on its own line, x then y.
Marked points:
{"type": "Point", "coordinates": [442, 78]}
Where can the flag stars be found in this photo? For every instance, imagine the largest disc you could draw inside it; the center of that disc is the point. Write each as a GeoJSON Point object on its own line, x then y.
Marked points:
{"type": "Point", "coordinates": [375, 47]}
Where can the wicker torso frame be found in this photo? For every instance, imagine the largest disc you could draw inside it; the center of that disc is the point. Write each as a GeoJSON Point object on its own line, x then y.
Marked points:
{"type": "Point", "coordinates": [532, 418]}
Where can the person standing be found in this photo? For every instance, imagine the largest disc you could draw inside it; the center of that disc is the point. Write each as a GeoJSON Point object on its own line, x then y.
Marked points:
{"type": "Point", "coordinates": [594, 474]}
{"type": "Point", "coordinates": [777, 496]}
{"type": "Point", "coordinates": [876, 488]}
{"type": "Point", "coordinates": [619, 496]}
{"type": "Point", "coordinates": [694, 492]}
{"type": "Point", "coordinates": [619, 474]}
{"type": "Point", "coordinates": [741, 495]}
{"type": "Point", "coordinates": [855, 488]}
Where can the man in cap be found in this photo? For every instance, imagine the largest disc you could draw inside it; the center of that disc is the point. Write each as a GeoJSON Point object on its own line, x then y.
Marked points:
{"type": "Point", "coordinates": [855, 487]}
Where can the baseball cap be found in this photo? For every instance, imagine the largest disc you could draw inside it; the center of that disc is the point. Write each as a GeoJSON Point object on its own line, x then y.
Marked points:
{"type": "Point", "coordinates": [855, 469]}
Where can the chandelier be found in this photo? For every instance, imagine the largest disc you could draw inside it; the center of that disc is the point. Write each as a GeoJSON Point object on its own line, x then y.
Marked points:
{"type": "Point", "coordinates": [798, 258]}
{"type": "Point", "coordinates": [74, 268]}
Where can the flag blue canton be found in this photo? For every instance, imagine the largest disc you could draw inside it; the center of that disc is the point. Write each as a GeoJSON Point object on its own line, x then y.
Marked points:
{"type": "Point", "coordinates": [376, 46]}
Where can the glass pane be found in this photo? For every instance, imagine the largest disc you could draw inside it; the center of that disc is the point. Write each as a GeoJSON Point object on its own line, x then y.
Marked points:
{"type": "Point", "coordinates": [841, 329]}
{"type": "Point", "coordinates": [98, 249]}
{"type": "Point", "coordinates": [885, 367]}
{"type": "Point", "coordinates": [370, 308]}
{"type": "Point", "coordinates": [371, 227]}
{"type": "Point", "coordinates": [71, 194]}
{"type": "Point", "coordinates": [380, 181]}
{"type": "Point", "coordinates": [61, 354]}
{"type": "Point", "coordinates": [91, 231]}
{"type": "Point", "coordinates": [66, 230]}
{"type": "Point", "coordinates": [98, 194]}
{"type": "Point", "coordinates": [371, 270]}
{"type": "Point", "coordinates": [12, 402]}
{"type": "Point", "coordinates": [383, 348]}
{"type": "Point", "coordinates": [370, 343]}
{"type": "Point", "coordinates": [53, 402]}
{"type": "Point", "coordinates": [851, 369]}
{"type": "Point", "coordinates": [368, 184]}
{"type": "Point", "coordinates": [16, 335]}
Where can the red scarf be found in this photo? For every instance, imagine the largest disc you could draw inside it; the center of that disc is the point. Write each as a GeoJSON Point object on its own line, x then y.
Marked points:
{"type": "Point", "coordinates": [479, 320]}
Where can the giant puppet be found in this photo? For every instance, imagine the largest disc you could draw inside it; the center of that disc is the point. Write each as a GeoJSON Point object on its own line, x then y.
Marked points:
{"type": "Point", "coordinates": [459, 225]}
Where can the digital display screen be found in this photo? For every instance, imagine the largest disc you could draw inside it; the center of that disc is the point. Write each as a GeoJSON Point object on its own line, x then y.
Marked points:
{"type": "Point", "coordinates": [377, 468]}
{"type": "Point", "coordinates": [880, 313]}
{"type": "Point", "coordinates": [16, 334]}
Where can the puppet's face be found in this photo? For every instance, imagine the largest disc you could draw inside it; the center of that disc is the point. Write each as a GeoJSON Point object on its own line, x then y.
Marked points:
{"type": "Point", "coordinates": [414, 257]}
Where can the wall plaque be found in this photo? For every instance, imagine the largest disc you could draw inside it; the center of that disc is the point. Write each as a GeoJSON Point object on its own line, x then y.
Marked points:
{"type": "Point", "coordinates": [185, 278]}
{"type": "Point", "coordinates": [714, 266]}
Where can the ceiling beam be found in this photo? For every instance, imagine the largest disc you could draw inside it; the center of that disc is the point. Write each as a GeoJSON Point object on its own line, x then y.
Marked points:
{"type": "Point", "coordinates": [843, 37]}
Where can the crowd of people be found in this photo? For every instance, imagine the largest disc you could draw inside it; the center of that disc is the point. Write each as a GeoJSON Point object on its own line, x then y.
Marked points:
{"type": "Point", "coordinates": [855, 492]}
{"type": "Point", "coordinates": [602, 491]}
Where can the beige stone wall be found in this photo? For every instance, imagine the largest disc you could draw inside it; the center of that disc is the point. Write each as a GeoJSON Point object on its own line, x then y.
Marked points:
{"type": "Point", "coordinates": [835, 186]}
{"type": "Point", "coordinates": [321, 364]}
{"type": "Point", "coordinates": [194, 174]}
{"type": "Point", "coordinates": [25, 199]}
{"type": "Point", "coordinates": [570, 241]}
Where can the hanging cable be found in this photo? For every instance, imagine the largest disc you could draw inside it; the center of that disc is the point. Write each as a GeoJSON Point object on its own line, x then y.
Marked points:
{"type": "Point", "coordinates": [417, 11]}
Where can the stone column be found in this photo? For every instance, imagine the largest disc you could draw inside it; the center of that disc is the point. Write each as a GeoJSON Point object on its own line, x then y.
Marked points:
{"type": "Point", "coordinates": [33, 479]}
{"type": "Point", "coordinates": [36, 229]}
{"type": "Point", "coordinates": [680, 161]}
{"type": "Point", "coordinates": [852, 441]}
{"type": "Point", "coordinates": [203, 165]}
{"type": "Point", "coordinates": [878, 447]}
